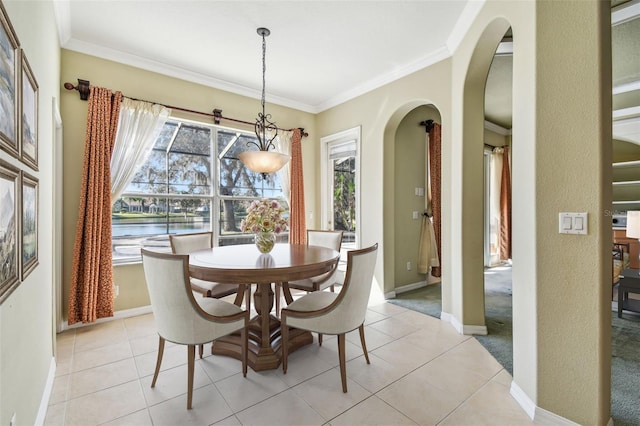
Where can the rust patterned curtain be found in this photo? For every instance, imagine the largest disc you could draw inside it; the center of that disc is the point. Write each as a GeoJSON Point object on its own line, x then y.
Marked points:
{"type": "Point", "coordinates": [435, 165]}
{"type": "Point", "coordinates": [91, 294]}
{"type": "Point", "coordinates": [505, 207]}
{"type": "Point", "coordinates": [297, 223]}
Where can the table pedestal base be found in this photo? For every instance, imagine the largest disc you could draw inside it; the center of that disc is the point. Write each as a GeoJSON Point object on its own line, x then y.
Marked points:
{"type": "Point", "coordinates": [261, 356]}
{"type": "Point", "coordinates": [264, 351]}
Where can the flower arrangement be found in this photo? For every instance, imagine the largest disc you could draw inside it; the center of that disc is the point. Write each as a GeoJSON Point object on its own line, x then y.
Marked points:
{"type": "Point", "coordinates": [264, 216]}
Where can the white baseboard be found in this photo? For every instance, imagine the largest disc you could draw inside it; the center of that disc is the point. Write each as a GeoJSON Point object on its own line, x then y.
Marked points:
{"type": "Point", "coordinates": [46, 394]}
{"type": "Point", "coordinates": [545, 417]}
{"type": "Point", "coordinates": [461, 328]}
{"type": "Point", "coordinates": [390, 295]}
{"type": "Point", "coordinates": [409, 287]}
{"type": "Point", "coordinates": [523, 400]}
{"type": "Point", "coordinates": [537, 414]}
{"type": "Point", "coordinates": [125, 313]}
{"type": "Point", "coordinates": [479, 330]}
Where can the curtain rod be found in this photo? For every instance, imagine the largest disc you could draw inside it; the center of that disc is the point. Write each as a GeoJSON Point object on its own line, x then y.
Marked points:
{"type": "Point", "coordinates": [83, 89]}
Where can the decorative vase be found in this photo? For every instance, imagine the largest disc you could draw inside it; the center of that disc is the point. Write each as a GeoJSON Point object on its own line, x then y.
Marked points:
{"type": "Point", "coordinates": [265, 241]}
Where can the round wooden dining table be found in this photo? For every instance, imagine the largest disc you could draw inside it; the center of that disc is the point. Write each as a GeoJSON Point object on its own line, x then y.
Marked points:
{"type": "Point", "coordinates": [244, 264]}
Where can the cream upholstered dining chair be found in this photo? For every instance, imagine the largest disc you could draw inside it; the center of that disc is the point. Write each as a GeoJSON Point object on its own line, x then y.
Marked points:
{"type": "Point", "coordinates": [182, 320]}
{"type": "Point", "coordinates": [330, 239]}
{"type": "Point", "coordinates": [335, 313]}
{"type": "Point", "coordinates": [188, 243]}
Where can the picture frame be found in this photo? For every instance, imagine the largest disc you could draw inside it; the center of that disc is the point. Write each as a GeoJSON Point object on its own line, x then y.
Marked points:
{"type": "Point", "coordinates": [9, 229]}
{"type": "Point", "coordinates": [28, 224]}
{"type": "Point", "coordinates": [9, 87]}
{"type": "Point", "coordinates": [28, 114]}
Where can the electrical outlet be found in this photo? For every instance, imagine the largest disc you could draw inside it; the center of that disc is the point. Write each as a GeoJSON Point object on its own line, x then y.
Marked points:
{"type": "Point", "coordinates": [116, 290]}
{"type": "Point", "coordinates": [408, 266]}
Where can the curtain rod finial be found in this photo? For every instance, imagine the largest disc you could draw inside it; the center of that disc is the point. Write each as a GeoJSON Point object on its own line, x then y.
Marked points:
{"type": "Point", "coordinates": [428, 124]}
{"type": "Point", "coordinates": [217, 115]}
{"type": "Point", "coordinates": [82, 87]}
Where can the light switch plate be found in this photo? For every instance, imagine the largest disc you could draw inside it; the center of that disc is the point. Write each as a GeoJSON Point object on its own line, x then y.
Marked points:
{"type": "Point", "coordinates": [573, 223]}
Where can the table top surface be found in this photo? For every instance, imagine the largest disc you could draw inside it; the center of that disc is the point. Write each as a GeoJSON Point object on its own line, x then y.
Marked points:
{"type": "Point", "coordinates": [244, 263]}
{"type": "Point", "coordinates": [631, 273]}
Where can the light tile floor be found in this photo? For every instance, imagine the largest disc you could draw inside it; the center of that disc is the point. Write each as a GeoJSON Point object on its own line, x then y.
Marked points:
{"type": "Point", "coordinates": [422, 372]}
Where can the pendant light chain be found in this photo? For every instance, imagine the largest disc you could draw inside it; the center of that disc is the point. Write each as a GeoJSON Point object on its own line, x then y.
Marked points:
{"type": "Point", "coordinates": [262, 160]}
{"type": "Point", "coordinates": [264, 69]}
{"type": "Point", "coordinates": [263, 123]}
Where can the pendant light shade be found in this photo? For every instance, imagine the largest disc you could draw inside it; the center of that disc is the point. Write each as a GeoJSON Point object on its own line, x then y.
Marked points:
{"type": "Point", "coordinates": [264, 161]}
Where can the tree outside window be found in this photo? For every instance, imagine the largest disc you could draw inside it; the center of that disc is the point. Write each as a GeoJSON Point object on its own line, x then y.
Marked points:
{"type": "Point", "coordinates": [192, 168]}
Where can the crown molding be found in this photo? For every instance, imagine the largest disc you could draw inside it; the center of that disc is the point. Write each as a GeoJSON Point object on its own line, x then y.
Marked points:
{"type": "Point", "coordinates": [375, 83]}
{"type": "Point", "coordinates": [627, 87]}
{"type": "Point", "coordinates": [177, 72]}
{"type": "Point", "coordinates": [625, 12]}
{"type": "Point", "coordinates": [206, 80]}
{"type": "Point", "coordinates": [496, 128]}
{"type": "Point", "coordinates": [62, 12]}
{"type": "Point", "coordinates": [622, 114]}
{"type": "Point", "coordinates": [466, 19]}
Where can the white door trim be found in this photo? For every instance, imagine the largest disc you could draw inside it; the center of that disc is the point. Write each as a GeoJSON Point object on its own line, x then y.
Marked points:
{"type": "Point", "coordinates": [336, 138]}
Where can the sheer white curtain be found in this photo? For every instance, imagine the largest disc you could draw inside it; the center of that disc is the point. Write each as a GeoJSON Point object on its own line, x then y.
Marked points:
{"type": "Point", "coordinates": [496, 159]}
{"type": "Point", "coordinates": [138, 128]}
{"type": "Point", "coordinates": [283, 145]}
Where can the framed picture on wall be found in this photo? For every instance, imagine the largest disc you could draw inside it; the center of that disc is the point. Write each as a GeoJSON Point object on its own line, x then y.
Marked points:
{"type": "Point", "coordinates": [9, 88]}
{"type": "Point", "coordinates": [29, 224]}
{"type": "Point", "coordinates": [9, 237]}
{"type": "Point", "coordinates": [29, 116]}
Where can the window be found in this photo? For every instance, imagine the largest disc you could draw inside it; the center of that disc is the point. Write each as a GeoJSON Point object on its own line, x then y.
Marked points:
{"type": "Point", "coordinates": [191, 182]}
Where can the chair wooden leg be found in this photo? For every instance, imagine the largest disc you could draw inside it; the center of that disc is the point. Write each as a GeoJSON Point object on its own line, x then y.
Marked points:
{"type": "Point", "coordinates": [332, 288]}
{"type": "Point", "coordinates": [284, 333]}
{"type": "Point", "coordinates": [319, 339]}
{"type": "Point", "coordinates": [191, 361]}
{"type": "Point", "coordinates": [278, 287]}
{"type": "Point", "coordinates": [200, 350]}
{"type": "Point", "coordinates": [158, 360]}
{"type": "Point", "coordinates": [364, 345]}
{"type": "Point", "coordinates": [343, 363]}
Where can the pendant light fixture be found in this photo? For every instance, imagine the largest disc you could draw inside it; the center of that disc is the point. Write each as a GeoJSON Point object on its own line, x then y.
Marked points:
{"type": "Point", "coordinates": [264, 161]}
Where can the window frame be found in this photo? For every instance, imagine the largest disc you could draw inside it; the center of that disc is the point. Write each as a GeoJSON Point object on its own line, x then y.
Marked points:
{"type": "Point", "coordinates": [214, 197]}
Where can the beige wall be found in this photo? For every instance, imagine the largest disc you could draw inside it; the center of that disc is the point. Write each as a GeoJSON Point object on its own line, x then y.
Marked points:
{"type": "Point", "coordinates": [140, 84]}
{"type": "Point", "coordinates": [26, 316]}
{"type": "Point", "coordinates": [561, 150]}
{"type": "Point", "coordinates": [554, 317]}
{"type": "Point", "coordinates": [379, 113]}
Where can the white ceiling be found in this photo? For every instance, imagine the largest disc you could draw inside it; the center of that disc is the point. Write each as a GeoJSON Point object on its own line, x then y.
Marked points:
{"type": "Point", "coordinates": [319, 53]}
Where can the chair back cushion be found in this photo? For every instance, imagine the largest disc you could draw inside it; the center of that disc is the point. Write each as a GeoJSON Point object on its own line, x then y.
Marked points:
{"type": "Point", "coordinates": [349, 308]}
{"type": "Point", "coordinates": [187, 243]}
{"type": "Point", "coordinates": [178, 317]}
{"type": "Point", "coordinates": [330, 239]}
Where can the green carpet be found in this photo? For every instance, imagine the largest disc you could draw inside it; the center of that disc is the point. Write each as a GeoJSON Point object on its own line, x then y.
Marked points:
{"type": "Point", "coordinates": [625, 333]}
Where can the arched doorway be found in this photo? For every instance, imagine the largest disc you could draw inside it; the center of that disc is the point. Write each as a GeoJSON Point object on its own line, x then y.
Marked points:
{"type": "Point", "coordinates": [405, 193]}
